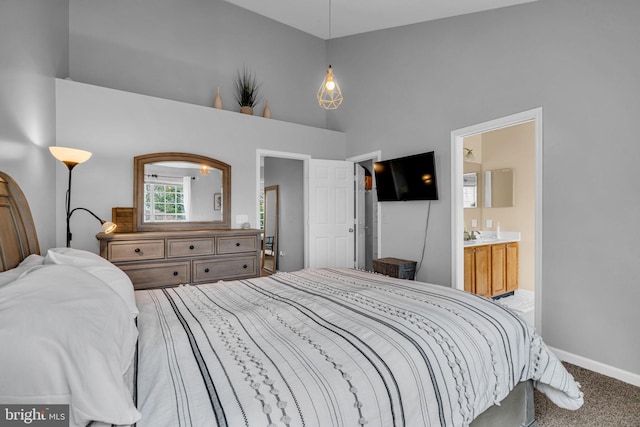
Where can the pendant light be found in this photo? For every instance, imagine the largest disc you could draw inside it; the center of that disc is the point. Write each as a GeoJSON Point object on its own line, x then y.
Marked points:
{"type": "Point", "coordinates": [329, 95]}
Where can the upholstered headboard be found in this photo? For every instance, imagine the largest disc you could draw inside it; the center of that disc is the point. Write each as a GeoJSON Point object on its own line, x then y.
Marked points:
{"type": "Point", "coordinates": [18, 238]}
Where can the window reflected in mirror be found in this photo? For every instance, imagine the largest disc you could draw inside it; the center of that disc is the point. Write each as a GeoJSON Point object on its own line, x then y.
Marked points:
{"type": "Point", "coordinates": [470, 190]}
{"type": "Point", "coordinates": [178, 191]}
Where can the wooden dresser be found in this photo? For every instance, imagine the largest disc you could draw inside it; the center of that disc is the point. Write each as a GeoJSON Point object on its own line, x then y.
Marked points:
{"type": "Point", "coordinates": [166, 258]}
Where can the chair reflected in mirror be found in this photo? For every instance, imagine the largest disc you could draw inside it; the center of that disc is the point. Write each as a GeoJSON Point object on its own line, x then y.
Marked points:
{"type": "Point", "coordinates": [268, 245]}
{"type": "Point", "coordinates": [270, 242]}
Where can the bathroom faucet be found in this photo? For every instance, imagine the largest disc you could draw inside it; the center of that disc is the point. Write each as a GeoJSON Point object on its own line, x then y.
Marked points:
{"type": "Point", "coordinates": [473, 234]}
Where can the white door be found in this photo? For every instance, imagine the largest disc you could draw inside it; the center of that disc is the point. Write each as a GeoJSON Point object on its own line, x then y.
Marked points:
{"type": "Point", "coordinates": [360, 219]}
{"type": "Point", "coordinates": [331, 214]}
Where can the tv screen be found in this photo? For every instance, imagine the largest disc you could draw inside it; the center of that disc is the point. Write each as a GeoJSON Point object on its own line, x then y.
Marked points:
{"type": "Point", "coordinates": [406, 178]}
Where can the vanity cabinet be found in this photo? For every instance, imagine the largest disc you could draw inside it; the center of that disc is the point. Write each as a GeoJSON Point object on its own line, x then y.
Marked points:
{"type": "Point", "coordinates": [491, 270]}
{"type": "Point", "coordinates": [168, 258]}
{"type": "Point", "coordinates": [504, 268]}
{"type": "Point", "coordinates": [477, 270]}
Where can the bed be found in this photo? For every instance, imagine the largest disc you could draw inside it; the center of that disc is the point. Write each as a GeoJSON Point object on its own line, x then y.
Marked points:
{"type": "Point", "coordinates": [317, 347]}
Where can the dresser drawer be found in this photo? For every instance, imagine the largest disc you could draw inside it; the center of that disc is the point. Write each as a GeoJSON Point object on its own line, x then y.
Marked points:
{"type": "Point", "coordinates": [232, 245]}
{"type": "Point", "coordinates": [189, 247]}
{"type": "Point", "coordinates": [212, 270]}
{"type": "Point", "coordinates": [136, 250]}
{"type": "Point", "coordinates": [153, 275]}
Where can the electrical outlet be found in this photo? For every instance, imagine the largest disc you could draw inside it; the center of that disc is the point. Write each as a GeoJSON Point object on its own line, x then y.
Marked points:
{"type": "Point", "coordinates": [241, 219]}
{"type": "Point", "coordinates": [489, 223]}
{"type": "Point", "coordinates": [474, 222]}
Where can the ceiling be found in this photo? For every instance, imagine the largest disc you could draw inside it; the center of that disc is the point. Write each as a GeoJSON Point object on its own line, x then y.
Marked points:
{"type": "Point", "coordinates": [337, 18]}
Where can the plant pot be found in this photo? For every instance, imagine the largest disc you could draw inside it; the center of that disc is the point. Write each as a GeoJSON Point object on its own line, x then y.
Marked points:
{"type": "Point", "coordinates": [246, 110]}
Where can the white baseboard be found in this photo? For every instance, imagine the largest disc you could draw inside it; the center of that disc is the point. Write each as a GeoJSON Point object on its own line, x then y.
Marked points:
{"type": "Point", "coordinates": [601, 368]}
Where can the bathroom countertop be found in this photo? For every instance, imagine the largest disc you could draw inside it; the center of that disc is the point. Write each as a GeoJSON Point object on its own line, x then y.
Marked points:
{"type": "Point", "coordinates": [490, 238]}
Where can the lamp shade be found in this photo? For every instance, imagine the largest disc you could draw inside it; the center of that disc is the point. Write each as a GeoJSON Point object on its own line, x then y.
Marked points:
{"type": "Point", "coordinates": [108, 227]}
{"type": "Point", "coordinates": [70, 156]}
{"type": "Point", "coordinates": [468, 155]}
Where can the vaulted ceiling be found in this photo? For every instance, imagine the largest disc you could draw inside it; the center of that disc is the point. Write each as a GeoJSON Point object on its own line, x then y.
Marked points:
{"type": "Point", "coordinates": [337, 18]}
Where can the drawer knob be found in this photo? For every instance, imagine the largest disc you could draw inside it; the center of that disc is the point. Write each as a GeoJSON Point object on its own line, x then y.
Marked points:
{"type": "Point", "coordinates": [192, 247]}
{"type": "Point", "coordinates": [175, 273]}
{"type": "Point", "coordinates": [244, 266]}
{"type": "Point", "coordinates": [137, 250]}
{"type": "Point", "coordinates": [238, 244]}
{"type": "Point", "coordinates": [206, 270]}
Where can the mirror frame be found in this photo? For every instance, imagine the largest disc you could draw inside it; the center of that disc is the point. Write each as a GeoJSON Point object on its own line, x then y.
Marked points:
{"type": "Point", "coordinates": [276, 190]}
{"type": "Point", "coordinates": [499, 179]}
{"type": "Point", "coordinates": [138, 192]}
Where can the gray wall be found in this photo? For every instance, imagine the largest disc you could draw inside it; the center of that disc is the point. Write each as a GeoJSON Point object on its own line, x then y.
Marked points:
{"type": "Point", "coordinates": [34, 38]}
{"type": "Point", "coordinates": [183, 50]}
{"type": "Point", "coordinates": [116, 126]}
{"type": "Point", "coordinates": [288, 175]}
{"type": "Point", "coordinates": [407, 88]}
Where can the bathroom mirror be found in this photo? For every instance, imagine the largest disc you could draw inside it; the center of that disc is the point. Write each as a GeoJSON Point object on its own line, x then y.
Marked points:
{"type": "Point", "coordinates": [270, 242]}
{"type": "Point", "coordinates": [498, 188]}
{"type": "Point", "coordinates": [181, 191]}
{"type": "Point", "coordinates": [470, 190]}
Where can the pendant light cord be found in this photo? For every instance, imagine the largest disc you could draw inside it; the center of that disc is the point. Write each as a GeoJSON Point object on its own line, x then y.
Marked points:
{"type": "Point", "coordinates": [330, 2]}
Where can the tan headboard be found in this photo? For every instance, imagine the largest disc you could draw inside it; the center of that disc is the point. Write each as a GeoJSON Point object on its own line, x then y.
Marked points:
{"type": "Point", "coordinates": [18, 238]}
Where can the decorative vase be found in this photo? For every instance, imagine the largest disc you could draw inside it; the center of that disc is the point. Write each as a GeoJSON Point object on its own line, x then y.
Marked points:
{"type": "Point", "coordinates": [245, 109]}
{"type": "Point", "coordinates": [217, 102]}
{"type": "Point", "coordinates": [267, 111]}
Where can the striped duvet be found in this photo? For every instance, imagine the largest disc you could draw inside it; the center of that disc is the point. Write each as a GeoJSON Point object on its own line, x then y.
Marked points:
{"type": "Point", "coordinates": [332, 347]}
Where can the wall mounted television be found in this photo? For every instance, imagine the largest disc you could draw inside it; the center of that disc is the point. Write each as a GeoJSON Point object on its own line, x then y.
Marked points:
{"type": "Point", "coordinates": [407, 178]}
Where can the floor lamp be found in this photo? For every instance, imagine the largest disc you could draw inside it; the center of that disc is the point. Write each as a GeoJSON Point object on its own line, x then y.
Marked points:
{"type": "Point", "coordinates": [72, 157]}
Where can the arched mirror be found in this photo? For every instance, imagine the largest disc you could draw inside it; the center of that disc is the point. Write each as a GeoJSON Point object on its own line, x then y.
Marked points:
{"type": "Point", "coordinates": [270, 239]}
{"type": "Point", "coordinates": [181, 191]}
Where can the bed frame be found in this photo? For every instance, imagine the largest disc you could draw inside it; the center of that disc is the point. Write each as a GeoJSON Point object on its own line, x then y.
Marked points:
{"type": "Point", "coordinates": [517, 410]}
{"type": "Point", "coordinates": [18, 239]}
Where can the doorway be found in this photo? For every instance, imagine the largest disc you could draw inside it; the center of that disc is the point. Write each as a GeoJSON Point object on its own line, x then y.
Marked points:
{"type": "Point", "coordinates": [372, 221]}
{"type": "Point", "coordinates": [369, 215]}
{"type": "Point", "coordinates": [469, 136]}
{"type": "Point", "coordinates": [287, 171]}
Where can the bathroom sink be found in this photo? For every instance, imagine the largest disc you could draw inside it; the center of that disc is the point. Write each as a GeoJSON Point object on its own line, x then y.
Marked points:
{"type": "Point", "coordinates": [480, 241]}
{"type": "Point", "coordinates": [489, 237]}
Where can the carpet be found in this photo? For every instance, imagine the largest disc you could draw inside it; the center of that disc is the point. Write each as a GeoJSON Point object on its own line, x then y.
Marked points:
{"type": "Point", "coordinates": [607, 403]}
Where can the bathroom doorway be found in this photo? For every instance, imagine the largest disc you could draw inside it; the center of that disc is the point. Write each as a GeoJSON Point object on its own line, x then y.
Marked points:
{"type": "Point", "coordinates": [511, 143]}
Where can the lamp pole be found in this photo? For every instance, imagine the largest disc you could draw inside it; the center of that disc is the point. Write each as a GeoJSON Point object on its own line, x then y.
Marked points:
{"type": "Point", "coordinates": [70, 165]}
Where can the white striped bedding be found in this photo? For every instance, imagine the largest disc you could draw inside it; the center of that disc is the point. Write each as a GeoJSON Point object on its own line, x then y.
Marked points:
{"type": "Point", "coordinates": [332, 347]}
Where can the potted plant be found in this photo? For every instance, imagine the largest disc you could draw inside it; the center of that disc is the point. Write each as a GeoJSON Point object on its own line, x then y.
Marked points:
{"type": "Point", "coordinates": [247, 91]}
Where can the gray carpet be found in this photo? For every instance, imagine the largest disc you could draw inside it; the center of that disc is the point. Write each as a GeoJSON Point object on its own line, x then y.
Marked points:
{"type": "Point", "coordinates": [607, 403]}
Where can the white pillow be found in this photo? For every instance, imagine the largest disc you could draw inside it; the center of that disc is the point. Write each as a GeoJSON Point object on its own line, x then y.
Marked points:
{"type": "Point", "coordinates": [99, 267]}
{"type": "Point", "coordinates": [9, 276]}
{"type": "Point", "coordinates": [67, 336]}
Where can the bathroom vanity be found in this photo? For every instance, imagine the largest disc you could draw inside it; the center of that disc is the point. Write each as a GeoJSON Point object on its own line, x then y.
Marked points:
{"type": "Point", "coordinates": [491, 265]}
